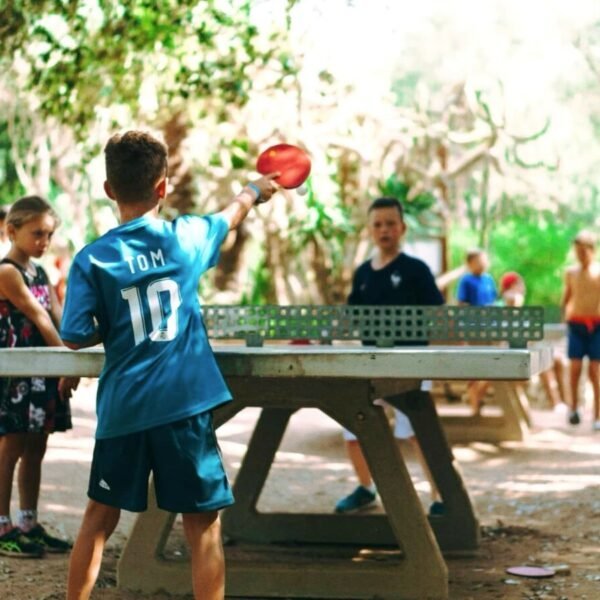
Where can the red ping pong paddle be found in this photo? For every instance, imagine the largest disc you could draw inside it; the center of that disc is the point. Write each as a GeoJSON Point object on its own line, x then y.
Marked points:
{"type": "Point", "coordinates": [292, 162]}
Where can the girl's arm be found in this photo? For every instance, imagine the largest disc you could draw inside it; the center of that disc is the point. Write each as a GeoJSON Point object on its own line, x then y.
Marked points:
{"type": "Point", "coordinates": [56, 308]}
{"type": "Point", "coordinates": [14, 289]}
{"type": "Point", "coordinates": [66, 385]}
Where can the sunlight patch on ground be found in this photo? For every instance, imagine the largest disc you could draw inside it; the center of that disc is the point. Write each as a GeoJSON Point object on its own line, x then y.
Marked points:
{"type": "Point", "coordinates": [569, 444]}
{"type": "Point", "coordinates": [485, 448]}
{"type": "Point", "coordinates": [83, 443]}
{"type": "Point", "coordinates": [465, 455]}
{"type": "Point", "coordinates": [61, 508]}
{"type": "Point", "coordinates": [545, 483]}
{"type": "Point", "coordinates": [552, 435]}
{"type": "Point", "coordinates": [53, 487]}
{"type": "Point", "coordinates": [578, 478]}
{"type": "Point", "coordinates": [232, 428]}
{"type": "Point", "coordinates": [81, 454]}
{"type": "Point", "coordinates": [85, 422]}
{"type": "Point", "coordinates": [235, 449]}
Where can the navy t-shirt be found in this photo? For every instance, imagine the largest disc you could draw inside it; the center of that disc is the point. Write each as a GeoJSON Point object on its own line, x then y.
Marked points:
{"type": "Point", "coordinates": [404, 281]}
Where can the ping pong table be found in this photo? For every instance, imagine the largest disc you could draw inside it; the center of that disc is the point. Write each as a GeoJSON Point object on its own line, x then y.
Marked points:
{"type": "Point", "coordinates": [396, 555]}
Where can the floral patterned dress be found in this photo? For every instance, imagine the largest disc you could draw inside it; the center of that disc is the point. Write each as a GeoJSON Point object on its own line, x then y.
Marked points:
{"type": "Point", "coordinates": [29, 404]}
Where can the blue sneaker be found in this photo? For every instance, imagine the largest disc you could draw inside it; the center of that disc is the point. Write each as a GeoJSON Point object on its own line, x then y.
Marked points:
{"type": "Point", "coordinates": [359, 499]}
{"type": "Point", "coordinates": [437, 509]}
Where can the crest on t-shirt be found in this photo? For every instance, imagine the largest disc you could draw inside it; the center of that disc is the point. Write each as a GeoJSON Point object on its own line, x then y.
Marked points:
{"type": "Point", "coordinates": [396, 279]}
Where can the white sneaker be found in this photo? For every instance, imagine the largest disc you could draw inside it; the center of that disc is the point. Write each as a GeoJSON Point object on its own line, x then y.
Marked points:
{"type": "Point", "coordinates": [596, 425]}
{"type": "Point", "coordinates": [561, 409]}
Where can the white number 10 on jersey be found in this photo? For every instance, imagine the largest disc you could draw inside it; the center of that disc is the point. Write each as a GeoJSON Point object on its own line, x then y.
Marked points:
{"type": "Point", "coordinates": [162, 329]}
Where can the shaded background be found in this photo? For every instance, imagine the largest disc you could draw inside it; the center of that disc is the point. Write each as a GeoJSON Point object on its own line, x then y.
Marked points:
{"type": "Point", "coordinates": [484, 118]}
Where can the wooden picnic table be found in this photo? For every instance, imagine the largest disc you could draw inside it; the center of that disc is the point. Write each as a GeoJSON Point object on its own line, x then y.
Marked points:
{"type": "Point", "coordinates": [396, 555]}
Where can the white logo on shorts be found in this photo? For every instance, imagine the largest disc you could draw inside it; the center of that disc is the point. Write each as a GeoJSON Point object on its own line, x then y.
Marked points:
{"type": "Point", "coordinates": [104, 485]}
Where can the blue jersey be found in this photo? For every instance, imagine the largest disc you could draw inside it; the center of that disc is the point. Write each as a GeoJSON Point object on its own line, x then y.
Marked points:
{"type": "Point", "coordinates": [138, 286]}
{"type": "Point", "coordinates": [477, 290]}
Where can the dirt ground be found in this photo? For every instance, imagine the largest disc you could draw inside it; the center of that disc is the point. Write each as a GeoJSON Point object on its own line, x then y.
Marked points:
{"type": "Point", "coordinates": [538, 503]}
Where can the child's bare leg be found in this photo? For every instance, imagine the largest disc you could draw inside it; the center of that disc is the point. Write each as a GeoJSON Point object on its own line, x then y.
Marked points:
{"type": "Point", "coordinates": [593, 371]}
{"type": "Point", "coordinates": [476, 393]}
{"type": "Point", "coordinates": [359, 463]}
{"type": "Point", "coordinates": [203, 533]}
{"type": "Point", "coordinates": [549, 389]}
{"type": "Point", "coordinates": [559, 374]}
{"type": "Point", "coordinates": [30, 470]}
{"type": "Point", "coordinates": [12, 447]}
{"type": "Point", "coordinates": [574, 375]}
{"type": "Point", "coordinates": [98, 524]}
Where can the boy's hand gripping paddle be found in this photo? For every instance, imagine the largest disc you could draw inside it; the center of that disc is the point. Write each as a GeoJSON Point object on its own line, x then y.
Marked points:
{"type": "Point", "coordinates": [292, 162]}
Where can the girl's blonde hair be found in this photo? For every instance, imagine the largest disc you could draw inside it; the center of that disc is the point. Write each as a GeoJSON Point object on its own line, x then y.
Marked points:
{"type": "Point", "coordinates": [27, 208]}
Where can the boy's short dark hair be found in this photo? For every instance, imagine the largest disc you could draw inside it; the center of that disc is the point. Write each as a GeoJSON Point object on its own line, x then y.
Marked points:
{"type": "Point", "coordinates": [387, 202]}
{"type": "Point", "coordinates": [135, 162]}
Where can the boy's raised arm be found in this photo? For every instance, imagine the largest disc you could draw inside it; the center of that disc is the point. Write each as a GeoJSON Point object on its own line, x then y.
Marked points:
{"type": "Point", "coordinates": [255, 192]}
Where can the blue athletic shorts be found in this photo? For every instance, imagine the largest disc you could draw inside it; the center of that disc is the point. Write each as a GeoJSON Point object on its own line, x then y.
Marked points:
{"type": "Point", "coordinates": [583, 342]}
{"type": "Point", "coordinates": [184, 458]}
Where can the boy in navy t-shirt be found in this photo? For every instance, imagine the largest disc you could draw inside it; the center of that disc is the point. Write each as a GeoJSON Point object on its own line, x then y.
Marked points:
{"type": "Point", "coordinates": [389, 278]}
{"type": "Point", "coordinates": [135, 290]}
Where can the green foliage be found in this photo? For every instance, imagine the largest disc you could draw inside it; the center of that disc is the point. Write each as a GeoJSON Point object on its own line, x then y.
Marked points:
{"type": "Point", "coordinates": [536, 245]}
{"type": "Point", "coordinates": [419, 217]}
{"type": "Point", "coordinates": [10, 186]}
{"type": "Point", "coordinates": [461, 239]}
{"type": "Point", "coordinates": [327, 223]}
{"type": "Point", "coordinates": [404, 88]}
{"type": "Point", "coordinates": [84, 56]}
{"type": "Point", "coordinates": [262, 285]}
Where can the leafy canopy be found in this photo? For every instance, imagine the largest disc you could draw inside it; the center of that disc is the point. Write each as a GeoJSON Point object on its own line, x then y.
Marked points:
{"type": "Point", "coordinates": [80, 56]}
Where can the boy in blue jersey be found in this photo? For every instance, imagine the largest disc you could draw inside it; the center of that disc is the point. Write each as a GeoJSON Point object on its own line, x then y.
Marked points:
{"type": "Point", "coordinates": [477, 288]}
{"type": "Point", "coordinates": [135, 290]}
{"type": "Point", "coordinates": [391, 277]}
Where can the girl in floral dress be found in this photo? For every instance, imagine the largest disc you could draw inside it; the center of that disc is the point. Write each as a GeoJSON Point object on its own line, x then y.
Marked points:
{"type": "Point", "coordinates": [30, 407]}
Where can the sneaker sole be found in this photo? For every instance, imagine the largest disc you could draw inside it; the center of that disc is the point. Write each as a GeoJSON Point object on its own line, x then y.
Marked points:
{"type": "Point", "coordinates": [57, 550]}
{"type": "Point", "coordinates": [50, 549]}
{"type": "Point", "coordinates": [367, 507]}
{"type": "Point", "coordinates": [21, 554]}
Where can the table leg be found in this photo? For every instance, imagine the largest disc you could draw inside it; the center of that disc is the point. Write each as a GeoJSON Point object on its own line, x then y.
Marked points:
{"type": "Point", "coordinates": [303, 570]}
{"type": "Point", "coordinates": [140, 566]}
{"type": "Point", "coordinates": [346, 568]}
{"type": "Point", "coordinates": [254, 470]}
{"type": "Point", "coordinates": [458, 528]}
